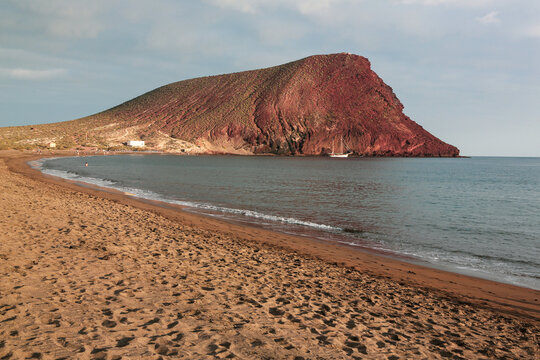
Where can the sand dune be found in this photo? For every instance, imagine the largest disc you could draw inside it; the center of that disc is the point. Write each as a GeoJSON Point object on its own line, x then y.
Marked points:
{"type": "Point", "coordinates": [89, 277]}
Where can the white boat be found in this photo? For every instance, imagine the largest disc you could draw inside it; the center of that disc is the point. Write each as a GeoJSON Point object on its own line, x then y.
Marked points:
{"type": "Point", "coordinates": [338, 155]}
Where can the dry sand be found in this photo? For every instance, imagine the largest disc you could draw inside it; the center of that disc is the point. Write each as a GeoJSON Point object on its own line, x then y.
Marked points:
{"type": "Point", "coordinates": [96, 275]}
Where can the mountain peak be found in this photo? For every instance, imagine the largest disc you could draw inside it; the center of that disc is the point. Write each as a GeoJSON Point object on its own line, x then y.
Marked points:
{"type": "Point", "coordinates": [299, 108]}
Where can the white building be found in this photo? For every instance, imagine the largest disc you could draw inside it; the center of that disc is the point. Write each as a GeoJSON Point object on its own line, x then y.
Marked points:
{"type": "Point", "coordinates": [135, 143]}
{"type": "Point", "coordinates": [52, 145]}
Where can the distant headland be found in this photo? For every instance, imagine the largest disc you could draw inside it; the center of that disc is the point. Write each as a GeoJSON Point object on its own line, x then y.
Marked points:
{"type": "Point", "coordinates": [314, 106]}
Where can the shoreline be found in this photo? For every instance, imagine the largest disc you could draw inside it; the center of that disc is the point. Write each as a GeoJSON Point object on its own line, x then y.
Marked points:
{"type": "Point", "coordinates": [95, 274]}
{"type": "Point", "coordinates": [512, 299]}
{"type": "Point", "coordinates": [313, 235]}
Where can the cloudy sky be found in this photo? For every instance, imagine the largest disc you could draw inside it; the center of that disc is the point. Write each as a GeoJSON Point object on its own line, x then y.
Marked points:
{"type": "Point", "coordinates": [466, 70]}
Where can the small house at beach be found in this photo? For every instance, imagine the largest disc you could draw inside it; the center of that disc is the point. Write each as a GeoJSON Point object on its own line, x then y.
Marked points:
{"type": "Point", "coordinates": [52, 145]}
{"type": "Point", "coordinates": [135, 143]}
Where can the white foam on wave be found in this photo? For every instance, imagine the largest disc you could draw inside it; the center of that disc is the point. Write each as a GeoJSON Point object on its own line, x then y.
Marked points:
{"type": "Point", "coordinates": [261, 216]}
{"type": "Point", "coordinates": [474, 266]}
{"type": "Point", "coordinates": [150, 195]}
{"type": "Point", "coordinates": [38, 164]}
{"type": "Point", "coordinates": [372, 245]}
{"type": "Point", "coordinates": [75, 177]}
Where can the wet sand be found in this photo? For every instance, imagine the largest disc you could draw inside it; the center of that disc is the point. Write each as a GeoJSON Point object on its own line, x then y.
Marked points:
{"type": "Point", "coordinates": [99, 275]}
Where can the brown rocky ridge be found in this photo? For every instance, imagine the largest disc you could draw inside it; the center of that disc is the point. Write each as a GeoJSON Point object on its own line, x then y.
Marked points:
{"type": "Point", "coordinates": [312, 106]}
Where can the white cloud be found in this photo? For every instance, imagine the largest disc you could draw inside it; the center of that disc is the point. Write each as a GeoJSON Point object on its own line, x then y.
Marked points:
{"type": "Point", "coordinates": [310, 7]}
{"type": "Point", "coordinates": [425, 2]}
{"type": "Point", "coordinates": [490, 18]}
{"type": "Point", "coordinates": [276, 32]}
{"type": "Point", "coordinates": [75, 28]}
{"type": "Point", "coordinates": [245, 6]}
{"type": "Point", "coordinates": [532, 31]}
{"type": "Point", "coordinates": [67, 18]}
{"type": "Point", "coordinates": [28, 74]}
{"type": "Point", "coordinates": [305, 7]}
{"type": "Point", "coordinates": [467, 3]}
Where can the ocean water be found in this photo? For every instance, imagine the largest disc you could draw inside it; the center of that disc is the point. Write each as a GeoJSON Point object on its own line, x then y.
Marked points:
{"type": "Point", "coordinates": [478, 216]}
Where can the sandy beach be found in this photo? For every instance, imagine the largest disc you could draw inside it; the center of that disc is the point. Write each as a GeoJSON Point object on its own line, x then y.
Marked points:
{"type": "Point", "coordinates": [91, 274]}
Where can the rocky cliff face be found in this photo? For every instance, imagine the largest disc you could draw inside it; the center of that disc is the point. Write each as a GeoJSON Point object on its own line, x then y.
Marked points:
{"type": "Point", "coordinates": [303, 107]}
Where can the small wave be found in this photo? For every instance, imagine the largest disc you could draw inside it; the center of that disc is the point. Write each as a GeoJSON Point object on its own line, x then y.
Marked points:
{"type": "Point", "coordinates": [38, 164]}
{"type": "Point", "coordinates": [504, 260]}
{"type": "Point", "coordinates": [143, 194]}
{"type": "Point", "coordinates": [372, 246]}
{"type": "Point", "coordinates": [483, 266]}
{"type": "Point", "coordinates": [258, 215]}
{"type": "Point", "coordinates": [76, 177]}
{"type": "Point", "coordinates": [475, 257]}
{"type": "Point", "coordinates": [149, 195]}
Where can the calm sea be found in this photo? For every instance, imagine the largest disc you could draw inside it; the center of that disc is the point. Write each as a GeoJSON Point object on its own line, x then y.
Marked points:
{"type": "Point", "coordinates": [479, 216]}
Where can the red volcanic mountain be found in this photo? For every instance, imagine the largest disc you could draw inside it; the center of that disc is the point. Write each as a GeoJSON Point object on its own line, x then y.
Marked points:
{"type": "Point", "coordinates": [303, 107]}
